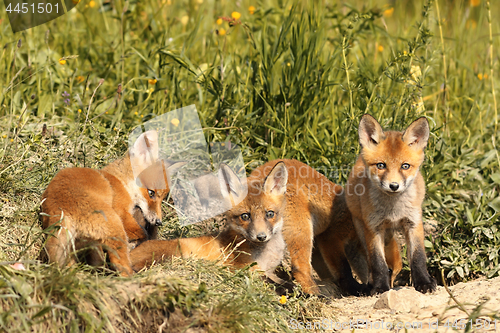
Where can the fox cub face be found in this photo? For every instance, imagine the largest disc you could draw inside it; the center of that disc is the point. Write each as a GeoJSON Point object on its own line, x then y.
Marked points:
{"type": "Point", "coordinates": [393, 158]}
{"type": "Point", "coordinates": [260, 215]}
{"type": "Point", "coordinates": [153, 183]}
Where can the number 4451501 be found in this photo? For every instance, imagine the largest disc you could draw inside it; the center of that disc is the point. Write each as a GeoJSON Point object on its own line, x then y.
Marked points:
{"type": "Point", "coordinates": [25, 8]}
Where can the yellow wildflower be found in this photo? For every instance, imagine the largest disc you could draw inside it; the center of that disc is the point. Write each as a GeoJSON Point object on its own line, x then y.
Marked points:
{"type": "Point", "coordinates": [388, 12]}
{"type": "Point", "coordinates": [175, 122]}
{"type": "Point", "coordinates": [475, 3]}
{"type": "Point", "coordinates": [62, 61]}
{"type": "Point", "coordinates": [380, 48]}
{"type": "Point", "coordinates": [283, 299]}
{"type": "Point", "coordinates": [235, 15]}
{"type": "Point", "coordinates": [222, 32]}
{"type": "Point", "coordinates": [480, 76]}
{"type": "Point", "coordinates": [136, 113]}
{"type": "Point", "coordinates": [80, 79]}
{"type": "Point", "coordinates": [184, 20]}
{"type": "Point", "coordinates": [92, 4]}
{"type": "Point", "coordinates": [4, 136]}
{"type": "Point", "coordinates": [251, 10]}
{"type": "Point", "coordinates": [79, 110]}
{"type": "Point", "coordinates": [219, 21]}
{"type": "Point", "coordinates": [152, 81]}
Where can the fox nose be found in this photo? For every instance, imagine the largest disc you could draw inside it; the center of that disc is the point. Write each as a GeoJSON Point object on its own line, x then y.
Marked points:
{"type": "Point", "coordinates": [158, 222]}
{"type": "Point", "coordinates": [262, 237]}
{"type": "Point", "coordinates": [394, 186]}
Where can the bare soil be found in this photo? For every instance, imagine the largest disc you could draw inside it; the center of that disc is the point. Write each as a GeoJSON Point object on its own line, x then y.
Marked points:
{"type": "Point", "coordinates": [403, 309]}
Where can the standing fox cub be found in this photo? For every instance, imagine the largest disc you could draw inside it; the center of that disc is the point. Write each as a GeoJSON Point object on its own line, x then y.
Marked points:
{"type": "Point", "coordinates": [89, 210]}
{"type": "Point", "coordinates": [287, 200]}
{"type": "Point", "coordinates": [385, 191]}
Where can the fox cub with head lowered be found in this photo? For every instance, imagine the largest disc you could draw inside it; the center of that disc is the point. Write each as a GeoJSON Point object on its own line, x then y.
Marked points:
{"type": "Point", "coordinates": [385, 191]}
{"type": "Point", "coordinates": [85, 211]}
{"type": "Point", "coordinates": [289, 203]}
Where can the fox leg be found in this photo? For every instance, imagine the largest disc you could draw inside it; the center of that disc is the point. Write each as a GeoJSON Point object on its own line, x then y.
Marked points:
{"type": "Point", "coordinates": [107, 228]}
{"type": "Point", "coordinates": [392, 255]}
{"type": "Point", "coordinates": [299, 244]}
{"type": "Point", "coordinates": [414, 233]}
{"type": "Point", "coordinates": [332, 250]}
{"type": "Point", "coordinates": [59, 242]}
{"type": "Point", "coordinates": [374, 246]}
{"type": "Point", "coordinates": [118, 253]}
{"type": "Point", "coordinates": [133, 229]}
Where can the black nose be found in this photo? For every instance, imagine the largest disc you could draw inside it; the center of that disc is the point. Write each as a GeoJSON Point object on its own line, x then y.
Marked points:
{"type": "Point", "coordinates": [394, 186]}
{"type": "Point", "coordinates": [262, 237]}
{"type": "Point", "coordinates": [158, 222]}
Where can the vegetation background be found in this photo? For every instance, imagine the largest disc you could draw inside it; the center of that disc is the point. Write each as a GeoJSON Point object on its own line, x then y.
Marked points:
{"type": "Point", "coordinates": [281, 80]}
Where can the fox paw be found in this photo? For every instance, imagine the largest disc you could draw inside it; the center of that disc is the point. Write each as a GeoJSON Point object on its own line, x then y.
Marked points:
{"type": "Point", "coordinates": [428, 286]}
{"type": "Point", "coordinates": [380, 285]}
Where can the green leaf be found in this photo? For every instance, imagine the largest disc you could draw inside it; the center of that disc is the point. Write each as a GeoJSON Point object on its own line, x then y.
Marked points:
{"type": "Point", "coordinates": [495, 204]}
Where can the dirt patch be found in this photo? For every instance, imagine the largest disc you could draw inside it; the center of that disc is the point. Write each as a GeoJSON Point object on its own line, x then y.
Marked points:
{"type": "Point", "coordinates": [404, 306]}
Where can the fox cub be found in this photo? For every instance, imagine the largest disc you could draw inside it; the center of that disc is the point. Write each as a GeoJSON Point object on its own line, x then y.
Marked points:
{"type": "Point", "coordinates": [85, 210]}
{"type": "Point", "coordinates": [287, 202]}
{"type": "Point", "coordinates": [252, 233]}
{"type": "Point", "coordinates": [385, 191]}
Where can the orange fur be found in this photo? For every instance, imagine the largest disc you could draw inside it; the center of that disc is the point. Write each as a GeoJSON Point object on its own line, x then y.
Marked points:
{"type": "Point", "coordinates": [251, 234]}
{"type": "Point", "coordinates": [306, 210]}
{"type": "Point", "coordinates": [86, 209]}
{"type": "Point", "coordinates": [385, 191]}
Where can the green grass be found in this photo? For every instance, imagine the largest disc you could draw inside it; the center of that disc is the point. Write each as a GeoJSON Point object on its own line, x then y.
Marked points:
{"type": "Point", "coordinates": [290, 80]}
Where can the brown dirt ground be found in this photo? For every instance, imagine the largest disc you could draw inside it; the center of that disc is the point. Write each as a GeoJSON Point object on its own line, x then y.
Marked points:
{"type": "Point", "coordinates": [435, 312]}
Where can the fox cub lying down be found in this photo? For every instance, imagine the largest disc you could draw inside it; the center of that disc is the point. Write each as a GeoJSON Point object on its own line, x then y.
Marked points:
{"type": "Point", "coordinates": [289, 203]}
{"type": "Point", "coordinates": [86, 211]}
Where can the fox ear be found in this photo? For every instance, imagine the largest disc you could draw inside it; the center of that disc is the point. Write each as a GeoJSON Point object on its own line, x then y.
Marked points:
{"type": "Point", "coordinates": [157, 175]}
{"type": "Point", "coordinates": [230, 184]}
{"type": "Point", "coordinates": [145, 150]}
{"type": "Point", "coordinates": [370, 132]}
{"type": "Point", "coordinates": [275, 182]}
{"type": "Point", "coordinates": [417, 134]}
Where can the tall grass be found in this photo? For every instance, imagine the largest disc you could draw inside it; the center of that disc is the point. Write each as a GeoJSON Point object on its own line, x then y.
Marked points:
{"type": "Point", "coordinates": [289, 80]}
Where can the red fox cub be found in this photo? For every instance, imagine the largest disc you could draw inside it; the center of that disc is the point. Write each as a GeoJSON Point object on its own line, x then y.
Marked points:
{"type": "Point", "coordinates": [252, 233]}
{"type": "Point", "coordinates": [385, 191]}
{"type": "Point", "coordinates": [91, 209]}
{"type": "Point", "coordinates": [259, 223]}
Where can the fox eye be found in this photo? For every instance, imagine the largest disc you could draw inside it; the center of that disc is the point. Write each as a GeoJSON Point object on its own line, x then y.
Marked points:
{"type": "Point", "coordinates": [151, 193]}
{"type": "Point", "coordinates": [381, 166]}
{"type": "Point", "coordinates": [269, 214]}
{"type": "Point", "coordinates": [405, 166]}
{"type": "Point", "coordinates": [245, 216]}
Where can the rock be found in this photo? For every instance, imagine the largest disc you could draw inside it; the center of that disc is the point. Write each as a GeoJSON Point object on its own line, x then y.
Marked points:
{"type": "Point", "coordinates": [402, 300]}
